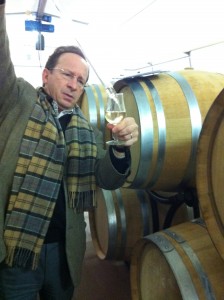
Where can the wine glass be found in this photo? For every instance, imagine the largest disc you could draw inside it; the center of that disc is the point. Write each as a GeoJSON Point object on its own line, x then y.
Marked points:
{"type": "Point", "coordinates": [115, 112]}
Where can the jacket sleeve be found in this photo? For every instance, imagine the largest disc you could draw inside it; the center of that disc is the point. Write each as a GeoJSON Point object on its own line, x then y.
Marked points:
{"type": "Point", "coordinates": [107, 175]}
{"type": "Point", "coordinates": [7, 72]}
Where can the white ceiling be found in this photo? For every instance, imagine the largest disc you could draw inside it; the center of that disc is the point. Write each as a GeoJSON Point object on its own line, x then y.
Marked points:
{"type": "Point", "coordinates": [120, 35]}
{"type": "Point", "coordinates": [87, 11]}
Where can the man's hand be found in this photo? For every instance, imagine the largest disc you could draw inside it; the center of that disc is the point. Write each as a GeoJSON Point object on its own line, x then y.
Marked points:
{"type": "Point", "coordinates": [126, 130]}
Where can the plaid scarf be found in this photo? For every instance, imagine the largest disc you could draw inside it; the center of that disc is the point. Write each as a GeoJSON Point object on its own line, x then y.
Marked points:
{"type": "Point", "coordinates": [46, 155]}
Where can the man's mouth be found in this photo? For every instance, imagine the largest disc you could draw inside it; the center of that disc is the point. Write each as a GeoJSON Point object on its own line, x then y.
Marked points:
{"type": "Point", "coordinates": [67, 97]}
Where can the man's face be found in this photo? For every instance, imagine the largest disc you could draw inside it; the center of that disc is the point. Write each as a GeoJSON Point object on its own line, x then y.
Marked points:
{"type": "Point", "coordinates": [65, 83]}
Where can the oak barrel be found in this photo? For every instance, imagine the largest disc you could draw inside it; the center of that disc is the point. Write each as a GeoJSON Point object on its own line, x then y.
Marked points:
{"type": "Point", "coordinates": [123, 216]}
{"type": "Point", "coordinates": [178, 263]}
{"type": "Point", "coordinates": [210, 172]}
{"type": "Point", "coordinates": [170, 109]}
{"type": "Point", "coordinates": [92, 103]}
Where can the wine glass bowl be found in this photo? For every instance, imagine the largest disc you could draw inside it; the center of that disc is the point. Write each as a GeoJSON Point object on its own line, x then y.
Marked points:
{"type": "Point", "coordinates": [114, 113]}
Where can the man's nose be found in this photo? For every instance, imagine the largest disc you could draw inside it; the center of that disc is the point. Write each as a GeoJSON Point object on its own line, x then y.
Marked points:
{"type": "Point", "coordinates": [73, 82]}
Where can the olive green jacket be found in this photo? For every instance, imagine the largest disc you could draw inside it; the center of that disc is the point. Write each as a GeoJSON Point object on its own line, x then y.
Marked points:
{"type": "Point", "coordinates": [17, 98]}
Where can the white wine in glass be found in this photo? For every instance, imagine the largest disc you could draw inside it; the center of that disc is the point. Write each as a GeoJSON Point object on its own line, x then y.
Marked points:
{"type": "Point", "coordinates": [115, 112]}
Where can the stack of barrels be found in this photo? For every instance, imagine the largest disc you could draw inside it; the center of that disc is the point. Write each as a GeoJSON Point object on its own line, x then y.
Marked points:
{"type": "Point", "coordinates": [180, 117]}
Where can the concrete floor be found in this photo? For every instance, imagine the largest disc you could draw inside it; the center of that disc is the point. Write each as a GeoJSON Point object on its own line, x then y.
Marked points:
{"type": "Point", "coordinates": [102, 279]}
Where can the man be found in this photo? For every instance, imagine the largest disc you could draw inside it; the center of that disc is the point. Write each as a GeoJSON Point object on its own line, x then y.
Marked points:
{"type": "Point", "coordinates": [51, 161]}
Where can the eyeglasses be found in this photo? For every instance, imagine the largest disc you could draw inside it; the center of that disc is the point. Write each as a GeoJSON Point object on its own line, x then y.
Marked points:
{"type": "Point", "coordinates": [69, 76]}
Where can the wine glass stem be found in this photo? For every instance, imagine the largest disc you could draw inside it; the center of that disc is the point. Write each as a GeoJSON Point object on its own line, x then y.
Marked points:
{"type": "Point", "coordinates": [114, 136]}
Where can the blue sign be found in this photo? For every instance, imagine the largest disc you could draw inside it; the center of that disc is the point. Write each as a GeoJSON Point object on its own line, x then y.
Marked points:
{"type": "Point", "coordinates": [38, 26]}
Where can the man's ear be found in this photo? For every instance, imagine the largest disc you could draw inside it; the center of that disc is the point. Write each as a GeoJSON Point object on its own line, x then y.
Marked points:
{"type": "Point", "coordinates": [45, 75]}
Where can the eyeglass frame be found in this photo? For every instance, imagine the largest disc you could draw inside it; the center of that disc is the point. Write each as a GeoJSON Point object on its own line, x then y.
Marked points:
{"type": "Point", "coordinates": [68, 75]}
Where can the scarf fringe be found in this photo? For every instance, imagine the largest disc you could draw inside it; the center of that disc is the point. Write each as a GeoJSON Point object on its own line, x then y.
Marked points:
{"type": "Point", "coordinates": [20, 257]}
{"type": "Point", "coordinates": [83, 201]}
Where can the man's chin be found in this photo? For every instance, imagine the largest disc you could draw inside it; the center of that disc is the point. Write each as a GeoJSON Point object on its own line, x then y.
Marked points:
{"type": "Point", "coordinates": [65, 106]}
